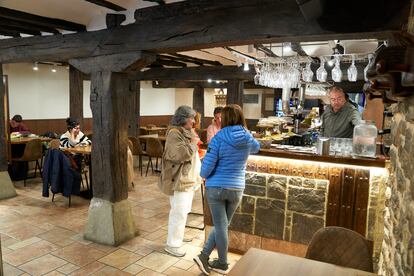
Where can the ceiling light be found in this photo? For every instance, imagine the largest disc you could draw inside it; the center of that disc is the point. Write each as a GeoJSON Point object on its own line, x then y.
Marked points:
{"type": "Point", "coordinates": [287, 47]}
{"type": "Point", "coordinates": [209, 80]}
{"type": "Point", "coordinates": [35, 66]}
{"type": "Point", "coordinates": [54, 69]}
{"type": "Point", "coordinates": [246, 66]}
{"type": "Point", "coordinates": [217, 81]}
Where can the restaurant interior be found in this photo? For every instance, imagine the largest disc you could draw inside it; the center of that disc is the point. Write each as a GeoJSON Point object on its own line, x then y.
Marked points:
{"type": "Point", "coordinates": [315, 200]}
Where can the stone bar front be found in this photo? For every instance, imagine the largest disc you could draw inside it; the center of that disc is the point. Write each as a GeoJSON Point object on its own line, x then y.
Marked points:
{"type": "Point", "coordinates": [289, 196]}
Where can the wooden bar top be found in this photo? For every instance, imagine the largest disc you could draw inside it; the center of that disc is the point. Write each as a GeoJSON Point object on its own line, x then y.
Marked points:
{"type": "Point", "coordinates": [357, 161]}
{"type": "Point", "coordinates": [262, 262]}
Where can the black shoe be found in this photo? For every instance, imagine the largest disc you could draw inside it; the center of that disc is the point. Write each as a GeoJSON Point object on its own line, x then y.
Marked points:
{"type": "Point", "coordinates": [219, 267]}
{"type": "Point", "coordinates": [202, 261]}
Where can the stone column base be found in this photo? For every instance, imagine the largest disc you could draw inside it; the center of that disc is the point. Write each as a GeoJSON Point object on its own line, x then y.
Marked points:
{"type": "Point", "coordinates": [7, 189]}
{"type": "Point", "coordinates": [110, 223]}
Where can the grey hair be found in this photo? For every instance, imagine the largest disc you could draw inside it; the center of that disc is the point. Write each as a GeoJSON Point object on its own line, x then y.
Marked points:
{"type": "Point", "coordinates": [181, 115]}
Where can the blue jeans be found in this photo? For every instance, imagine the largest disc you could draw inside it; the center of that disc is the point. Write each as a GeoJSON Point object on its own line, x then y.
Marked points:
{"type": "Point", "coordinates": [223, 203]}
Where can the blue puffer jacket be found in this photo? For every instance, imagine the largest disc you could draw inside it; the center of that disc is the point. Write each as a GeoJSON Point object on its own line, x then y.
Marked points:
{"type": "Point", "coordinates": [225, 162]}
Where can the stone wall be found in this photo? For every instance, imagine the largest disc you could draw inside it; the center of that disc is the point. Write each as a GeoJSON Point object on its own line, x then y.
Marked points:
{"type": "Point", "coordinates": [397, 257]}
{"type": "Point", "coordinates": [279, 206]}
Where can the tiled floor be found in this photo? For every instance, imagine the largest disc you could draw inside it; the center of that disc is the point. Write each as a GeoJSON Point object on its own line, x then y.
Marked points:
{"type": "Point", "coordinates": [40, 237]}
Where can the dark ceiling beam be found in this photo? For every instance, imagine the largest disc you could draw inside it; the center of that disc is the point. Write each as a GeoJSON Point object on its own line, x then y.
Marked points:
{"type": "Point", "coordinates": [241, 54]}
{"type": "Point", "coordinates": [21, 30]}
{"type": "Point", "coordinates": [268, 52]}
{"type": "Point", "coordinates": [8, 32]}
{"type": "Point", "coordinates": [26, 26]}
{"type": "Point", "coordinates": [41, 20]}
{"type": "Point", "coordinates": [194, 60]}
{"type": "Point", "coordinates": [168, 62]}
{"type": "Point", "coordinates": [201, 73]}
{"type": "Point", "coordinates": [159, 2]}
{"type": "Point", "coordinates": [189, 31]}
{"type": "Point", "coordinates": [107, 4]}
{"type": "Point", "coordinates": [204, 84]}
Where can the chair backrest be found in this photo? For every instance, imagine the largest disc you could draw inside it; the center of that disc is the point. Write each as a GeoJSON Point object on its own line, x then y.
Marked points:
{"type": "Point", "coordinates": [136, 146]}
{"type": "Point", "coordinates": [151, 126]}
{"type": "Point", "coordinates": [54, 144]}
{"type": "Point", "coordinates": [143, 131]}
{"type": "Point", "coordinates": [33, 150]}
{"type": "Point", "coordinates": [203, 135]}
{"type": "Point", "coordinates": [154, 147]}
{"type": "Point", "coordinates": [340, 246]}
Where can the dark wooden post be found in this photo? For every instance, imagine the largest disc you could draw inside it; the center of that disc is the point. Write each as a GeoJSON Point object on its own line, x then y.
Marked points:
{"type": "Point", "coordinates": [7, 189]}
{"type": "Point", "coordinates": [3, 124]}
{"type": "Point", "coordinates": [134, 108]}
{"type": "Point", "coordinates": [110, 218]}
{"type": "Point", "coordinates": [235, 92]}
{"type": "Point", "coordinates": [198, 101]}
{"type": "Point", "coordinates": [76, 94]}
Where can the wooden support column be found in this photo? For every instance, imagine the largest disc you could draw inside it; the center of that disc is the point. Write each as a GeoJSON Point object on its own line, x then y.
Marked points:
{"type": "Point", "coordinates": [198, 100]}
{"type": "Point", "coordinates": [76, 94]}
{"type": "Point", "coordinates": [7, 189]}
{"type": "Point", "coordinates": [235, 92]}
{"type": "Point", "coordinates": [110, 218]}
{"type": "Point", "coordinates": [134, 108]}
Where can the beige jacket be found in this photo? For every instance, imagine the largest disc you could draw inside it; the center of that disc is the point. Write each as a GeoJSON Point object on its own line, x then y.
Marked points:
{"type": "Point", "coordinates": [177, 161]}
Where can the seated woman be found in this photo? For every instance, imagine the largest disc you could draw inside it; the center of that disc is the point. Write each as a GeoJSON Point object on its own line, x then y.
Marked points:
{"type": "Point", "coordinates": [17, 125]}
{"type": "Point", "coordinates": [73, 137]}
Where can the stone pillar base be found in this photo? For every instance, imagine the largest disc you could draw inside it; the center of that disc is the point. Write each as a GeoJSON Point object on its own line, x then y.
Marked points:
{"type": "Point", "coordinates": [110, 223]}
{"type": "Point", "coordinates": [7, 189]}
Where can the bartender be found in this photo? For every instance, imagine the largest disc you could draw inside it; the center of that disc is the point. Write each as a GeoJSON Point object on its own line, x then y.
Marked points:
{"type": "Point", "coordinates": [340, 117]}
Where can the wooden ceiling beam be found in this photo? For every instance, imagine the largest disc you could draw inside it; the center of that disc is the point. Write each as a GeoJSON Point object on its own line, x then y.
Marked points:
{"type": "Point", "coordinates": [8, 32]}
{"type": "Point", "coordinates": [194, 60]}
{"type": "Point", "coordinates": [189, 31]}
{"type": "Point", "coordinates": [201, 73]}
{"type": "Point", "coordinates": [107, 4]}
{"type": "Point", "coordinates": [264, 49]}
{"type": "Point", "coordinates": [21, 30]}
{"type": "Point", "coordinates": [25, 26]}
{"type": "Point", "coordinates": [41, 20]}
{"type": "Point", "coordinates": [204, 84]}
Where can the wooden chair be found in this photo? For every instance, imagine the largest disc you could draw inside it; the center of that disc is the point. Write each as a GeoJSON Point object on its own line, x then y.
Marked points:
{"type": "Point", "coordinates": [143, 131]}
{"type": "Point", "coordinates": [149, 126]}
{"type": "Point", "coordinates": [341, 246]}
{"type": "Point", "coordinates": [32, 152]}
{"type": "Point", "coordinates": [137, 150]}
{"type": "Point", "coordinates": [154, 150]}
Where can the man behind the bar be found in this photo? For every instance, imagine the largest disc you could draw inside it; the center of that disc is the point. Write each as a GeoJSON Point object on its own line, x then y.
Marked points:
{"type": "Point", "coordinates": [340, 116]}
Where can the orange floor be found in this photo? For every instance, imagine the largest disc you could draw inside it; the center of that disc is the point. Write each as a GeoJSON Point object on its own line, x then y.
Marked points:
{"type": "Point", "coordinates": [40, 237]}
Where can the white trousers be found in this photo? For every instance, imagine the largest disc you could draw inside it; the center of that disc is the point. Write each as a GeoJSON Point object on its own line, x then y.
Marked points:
{"type": "Point", "coordinates": [180, 207]}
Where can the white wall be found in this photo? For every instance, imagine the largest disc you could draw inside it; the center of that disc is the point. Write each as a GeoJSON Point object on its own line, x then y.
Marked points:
{"type": "Point", "coordinates": [253, 110]}
{"type": "Point", "coordinates": [183, 96]}
{"type": "Point", "coordinates": [38, 94]}
{"type": "Point", "coordinates": [155, 101]}
{"type": "Point", "coordinates": [43, 94]}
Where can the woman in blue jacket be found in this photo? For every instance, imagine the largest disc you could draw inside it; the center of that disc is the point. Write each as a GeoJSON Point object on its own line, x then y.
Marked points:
{"type": "Point", "coordinates": [224, 168]}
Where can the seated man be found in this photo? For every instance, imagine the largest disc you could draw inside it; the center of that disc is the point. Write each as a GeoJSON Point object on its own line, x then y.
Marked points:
{"type": "Point", "coordinates": [17, 125]}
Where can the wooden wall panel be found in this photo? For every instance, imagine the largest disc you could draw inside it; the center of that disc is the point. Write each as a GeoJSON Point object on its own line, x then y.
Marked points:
{"type": "Point", "coordinates": [347, 199]}
{"type": "Point", "coordinates": [361, 201]}
{"type": "Point", "coordinates": [334, 196]}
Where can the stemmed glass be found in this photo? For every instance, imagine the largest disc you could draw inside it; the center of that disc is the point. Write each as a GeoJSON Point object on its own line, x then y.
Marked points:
{"type": "Point", "coordinates": [307, 74]}
{"type": "Point", "coordinates": [367, 67]}
{"type": "Point", "coordinates": [352, 71]}
{"type": "Point", "coordinates": [336, 71]}
{"type": "Point", "coordinates": [321, 73]}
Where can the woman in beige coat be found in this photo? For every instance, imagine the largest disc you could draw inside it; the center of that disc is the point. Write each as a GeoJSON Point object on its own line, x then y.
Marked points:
{"type": "Point", "coordinates": [180, 174]}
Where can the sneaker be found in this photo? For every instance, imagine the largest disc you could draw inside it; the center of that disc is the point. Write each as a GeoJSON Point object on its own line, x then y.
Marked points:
{"type": "Point", "coordinates": [202, 262]}
{"type": "Point", "coordinates": [219, 267]}
{"type": "Point", "coordinates": [188, 239]}
{"type": "Point", "coordinates": [175, 251]}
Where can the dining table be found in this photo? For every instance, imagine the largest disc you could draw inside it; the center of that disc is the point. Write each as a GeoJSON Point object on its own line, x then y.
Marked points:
{"type": "Point", "coordinates": [262, 262]}
{"type": "Point", "coordinates": [155, 130]}
{"type": "Point", "coordinates": [161, 138]}
{"type": "Point", "coordinates": [25, 140]}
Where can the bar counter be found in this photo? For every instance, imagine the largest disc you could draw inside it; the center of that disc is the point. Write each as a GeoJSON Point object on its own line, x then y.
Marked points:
{"type": "Point", "coordinates": [290, 195]}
